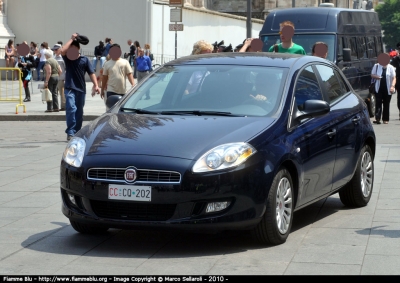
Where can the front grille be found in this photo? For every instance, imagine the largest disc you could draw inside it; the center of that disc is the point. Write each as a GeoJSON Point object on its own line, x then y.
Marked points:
{"type": "Point", "coordinates": [143, 176]}
{"type": "Point", "coordinates": [133, 211]}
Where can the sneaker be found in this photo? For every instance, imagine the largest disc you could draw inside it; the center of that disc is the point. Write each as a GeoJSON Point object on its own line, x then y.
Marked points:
{"type": "Point", "coordinates": [27, 100]}
{"type": "Point", "coordinates": [69, 137]}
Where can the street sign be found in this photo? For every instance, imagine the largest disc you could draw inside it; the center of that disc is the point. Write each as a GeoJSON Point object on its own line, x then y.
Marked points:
{"type": "Point", "coordinates": [176, 27]}
{"type": "Point", "coordinates": [176, 3]}
{"type": "Point", "coordinates": [176, 15]}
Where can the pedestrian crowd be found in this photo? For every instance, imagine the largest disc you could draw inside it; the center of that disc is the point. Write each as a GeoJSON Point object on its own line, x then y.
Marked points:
{"type": "Point", "coordinates": [64, 69]}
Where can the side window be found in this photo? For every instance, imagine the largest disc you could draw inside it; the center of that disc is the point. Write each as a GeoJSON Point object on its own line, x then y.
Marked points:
{"type": "Point", "coordinates": [362, 50]}
{"type": "Point", "coordinates": [330, 83]}
{"type": "Point", "coordinates": [378, 41]}
{"type": "Point", "coordinates": [351, 41]}
{"type": "Point", "coordinates": [371, 49]}
{"type": "Point", "coordinates": [340, 46]}
{"type": "Point", "coordinates": [307, 87]}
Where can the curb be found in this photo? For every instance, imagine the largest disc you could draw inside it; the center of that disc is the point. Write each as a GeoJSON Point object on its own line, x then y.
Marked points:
{"type": "Point", "coordinates": [38, 117]}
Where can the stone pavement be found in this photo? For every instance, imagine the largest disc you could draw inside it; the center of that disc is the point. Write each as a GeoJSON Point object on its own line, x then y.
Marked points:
{"type": "Point", "coordinates": [94, 106]}
{"type": "Point", "coordinates": [327, 238]}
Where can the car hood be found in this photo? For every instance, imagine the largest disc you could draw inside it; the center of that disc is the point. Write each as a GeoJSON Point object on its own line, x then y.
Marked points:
{"type": "Point", "coordinates": [172, 136]}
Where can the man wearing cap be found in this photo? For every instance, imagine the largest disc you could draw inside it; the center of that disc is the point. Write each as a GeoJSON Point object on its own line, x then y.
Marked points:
{"type": "Point", "coordinates": [75, 86]}
{"type": "Point", "coordinates": [395, 62]}
{"type": "Point", "coordinates": [60, 86]}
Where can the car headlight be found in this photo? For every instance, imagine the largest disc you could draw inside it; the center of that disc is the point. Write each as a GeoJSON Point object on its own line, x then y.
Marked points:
{"type": "Point", "coordinates": [224, 156]}
{"type": "Point", "coordinates": [73, 153]}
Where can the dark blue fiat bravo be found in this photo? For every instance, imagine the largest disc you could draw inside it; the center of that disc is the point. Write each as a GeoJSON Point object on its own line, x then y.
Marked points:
{"type": "Point", "coordinates": [220, 142]}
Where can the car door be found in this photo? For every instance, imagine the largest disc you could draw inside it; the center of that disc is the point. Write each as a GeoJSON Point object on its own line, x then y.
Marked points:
{"type": "Point", "coordinates": [314, 141]}
{"type": "Point", "coordinates": [346, 117]}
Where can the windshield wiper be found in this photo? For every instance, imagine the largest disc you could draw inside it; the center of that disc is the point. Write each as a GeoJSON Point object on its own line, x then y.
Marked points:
{"type": "Point", "coordinates": [138, 111]}
{"type": "Point", "coordinates": [199, 113]}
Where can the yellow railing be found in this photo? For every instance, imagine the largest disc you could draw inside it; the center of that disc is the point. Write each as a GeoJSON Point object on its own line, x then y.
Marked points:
{"type": "Point", "coordinates": [9, 90]}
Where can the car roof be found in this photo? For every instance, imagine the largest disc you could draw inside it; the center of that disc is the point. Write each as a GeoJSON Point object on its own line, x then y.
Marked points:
{"type": "Point", "coordinates": [282, 60]}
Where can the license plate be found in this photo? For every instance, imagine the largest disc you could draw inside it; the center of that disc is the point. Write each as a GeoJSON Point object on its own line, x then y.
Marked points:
{"type": "Point", "coordinates": [126, 192]}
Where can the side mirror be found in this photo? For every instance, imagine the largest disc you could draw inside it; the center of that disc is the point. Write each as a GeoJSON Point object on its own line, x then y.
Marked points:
{"type": "Point", "coordinates": [112, 100]}
{"type": "Point", "coordinates": [312, 108]}
{"type": "Point", "coordinates": [346, 54]}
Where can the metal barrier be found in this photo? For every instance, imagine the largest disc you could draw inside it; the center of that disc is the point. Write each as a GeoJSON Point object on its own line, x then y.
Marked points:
{"type": "Point", "coordinates": [11, 89]}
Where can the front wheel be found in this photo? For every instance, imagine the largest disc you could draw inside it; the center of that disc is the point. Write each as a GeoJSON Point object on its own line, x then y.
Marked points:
{"type": "Point", "coordinates": [275, 226]}
{"type": "Point", "coordinates": [358, 191]}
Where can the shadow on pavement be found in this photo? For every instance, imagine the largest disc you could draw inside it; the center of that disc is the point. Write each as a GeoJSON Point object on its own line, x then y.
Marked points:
{"type": "Point", "coordinates": [159, 243]}
{"type": "Point", "coordinates": [375, 231]}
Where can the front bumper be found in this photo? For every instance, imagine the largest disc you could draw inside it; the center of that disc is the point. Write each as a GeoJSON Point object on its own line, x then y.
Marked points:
{"type": "Point", "coordinates": [181, 206]}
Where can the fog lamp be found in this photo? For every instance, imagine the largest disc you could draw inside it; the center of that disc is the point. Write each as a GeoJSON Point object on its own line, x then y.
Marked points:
{"type": "Point", "coordinates": [72, 198]}
{"type": "Point", "coordinates": [217, 206]}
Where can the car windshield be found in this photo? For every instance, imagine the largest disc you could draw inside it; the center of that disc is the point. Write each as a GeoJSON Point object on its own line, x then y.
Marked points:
{"type": "Point", "coordinates": [216, 90]}
{"type": "Point", "coordinates": [305, 40]}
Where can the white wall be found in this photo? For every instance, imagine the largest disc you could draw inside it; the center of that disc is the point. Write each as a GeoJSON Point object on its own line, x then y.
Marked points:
{"type": "Point", "coordinates": [53, 20]}
{"type": "Point", "coordinates": [198, 24]}
{"type": "Point", "coordinates": [142, 20]}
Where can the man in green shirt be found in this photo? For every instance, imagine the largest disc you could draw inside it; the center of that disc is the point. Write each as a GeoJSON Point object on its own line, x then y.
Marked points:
{"type": "Point", "coordinates": [286, 33]}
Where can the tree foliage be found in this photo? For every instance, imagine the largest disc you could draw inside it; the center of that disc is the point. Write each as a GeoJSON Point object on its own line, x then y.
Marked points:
{"type": "Point", "coordinates": [389, 16]}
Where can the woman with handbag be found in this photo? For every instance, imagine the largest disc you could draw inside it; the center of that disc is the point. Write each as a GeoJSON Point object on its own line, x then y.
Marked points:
{"type": "Point", "coordinates": [52, 72]}
{"type": "Point", "coordinates": [384, 75]}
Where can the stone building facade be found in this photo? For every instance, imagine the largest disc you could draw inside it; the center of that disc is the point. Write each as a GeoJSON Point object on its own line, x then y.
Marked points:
{"type": "Point", "coordinates": [260, 8]}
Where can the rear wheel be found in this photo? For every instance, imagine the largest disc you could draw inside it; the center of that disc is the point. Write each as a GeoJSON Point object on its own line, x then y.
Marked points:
{"type": "Point", "coordinates": [275, 226]}
{"type": "Point", "coordinates": [358, 191]}
{"type": "Point", "coordinates": [371, 105]}
{"type": "Point", "coordinates": [87, 229]}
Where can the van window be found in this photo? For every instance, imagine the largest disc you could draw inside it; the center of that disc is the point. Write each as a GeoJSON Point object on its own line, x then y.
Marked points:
{"type": "Point", "coordinates": [351, 43]}
{"type": "Point", "coordinates": [378, 42]}
{"type": "Point", "coordinates": [362, 50]}
{"type": "Point", "coordinates": [371, 47]}
{"type": "Point", "coordinates": [307, 87]}
{"type": "Point", "coordinates": [340, 46]}
{"type": "Point", "coordinates": [305, 40]}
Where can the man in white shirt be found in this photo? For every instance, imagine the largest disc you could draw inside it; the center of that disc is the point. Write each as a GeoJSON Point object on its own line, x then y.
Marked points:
{"type": "Point", "coordinates": [115, 72]}
{"type": "Point", "coordinates": [57, 55]}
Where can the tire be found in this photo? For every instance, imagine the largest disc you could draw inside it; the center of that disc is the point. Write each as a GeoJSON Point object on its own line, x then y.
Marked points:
{"type": "Point", "coordinates": [276, 223]}
{"type": "Point", "coordinates": [358, 191]}
{"type": "Point", "coordinates": [87, 229]}
{"type": "Point", "coordinates": [371, 105]}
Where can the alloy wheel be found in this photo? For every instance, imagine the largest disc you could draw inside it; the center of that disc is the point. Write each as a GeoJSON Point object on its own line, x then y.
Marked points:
{"type": "Point", "coordinates": [283, 205]}
{"type": "Point", "coordinates": [366, 174]}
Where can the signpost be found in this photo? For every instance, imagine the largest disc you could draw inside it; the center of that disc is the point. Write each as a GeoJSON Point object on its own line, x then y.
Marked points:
{"type": "Point", "coordinates": [176, 16]}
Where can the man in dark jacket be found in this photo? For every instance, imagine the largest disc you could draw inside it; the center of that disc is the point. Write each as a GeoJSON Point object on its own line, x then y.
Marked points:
{"type": "Point", "coordinates": [98, 55]}
{"type": "Point", "coordinates": [395, 62]}
{"type": "Point", "coordinates": [131, 54]}
{"type": "Point", "coordinates": [25, 64]}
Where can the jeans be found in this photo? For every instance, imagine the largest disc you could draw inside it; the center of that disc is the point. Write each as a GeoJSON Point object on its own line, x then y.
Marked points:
{"type": "Point", "coordinates": [102, 60]}
{"type": "Point", "coordinates": [52, 85]}
{"type": "Point", "coordinates": [39, 67]}
{"type": "Point", "coordinates": [74, 102]}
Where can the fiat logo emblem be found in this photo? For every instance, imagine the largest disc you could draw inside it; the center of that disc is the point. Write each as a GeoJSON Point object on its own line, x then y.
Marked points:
{"type": "Point", "coordinates": [130, 175]}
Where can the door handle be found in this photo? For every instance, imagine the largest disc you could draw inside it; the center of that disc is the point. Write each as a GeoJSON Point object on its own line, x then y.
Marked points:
{"type": "Point", "coordinates": [331, 133]}
{"type": "Point", "coordinates": [356, 119]}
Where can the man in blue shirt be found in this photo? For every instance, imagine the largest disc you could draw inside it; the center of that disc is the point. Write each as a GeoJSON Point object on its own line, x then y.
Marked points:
{"type": "Point", "coordinates": [75, 86]}
{"type": "Point", "coordinates": [109, 42]}
{"type": "Point", "coordinates": [143, 64]}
